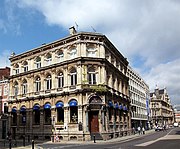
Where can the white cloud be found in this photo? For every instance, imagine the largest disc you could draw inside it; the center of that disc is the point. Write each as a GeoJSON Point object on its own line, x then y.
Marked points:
{"type": "Point", "coordinates": [140, 29]}
{"type": "Point", "coordinates": [4, 58]}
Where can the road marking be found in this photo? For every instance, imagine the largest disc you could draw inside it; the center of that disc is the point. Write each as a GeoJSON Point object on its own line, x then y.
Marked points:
{"type": "Point", "coordinates": [166, 137]}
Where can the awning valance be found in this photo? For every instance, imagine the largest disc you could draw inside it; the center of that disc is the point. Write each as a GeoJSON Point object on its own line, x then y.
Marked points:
{"type": "Point", "coordinates": [47, 106]}
{"type": "Point", "coordinates": [73, 103]}
{"type": "Point", "coordinates": [59, 104]}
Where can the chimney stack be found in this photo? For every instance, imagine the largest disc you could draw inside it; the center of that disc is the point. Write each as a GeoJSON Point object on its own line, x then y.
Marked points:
{"type": "Point", "coordinates": [72, 30]}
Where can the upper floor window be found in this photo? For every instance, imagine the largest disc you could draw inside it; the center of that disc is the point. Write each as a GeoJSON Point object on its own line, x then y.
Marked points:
{"type": "Point", "coordinates": [92, 76]}
{"type": "Point", "coordinates": [24, 87]}
{"type": "Point", "coordinates": [25, 66]}
{"type": "Point", "coordinates": [73, 75]}
{"type": "Point", "coordinates": [38, 62]}
{"type": "Point", "coordinates": [91, 52]}
{"type": "Point", "coordinates": [16, 69]}
{"type": "Point", "coordinates": [73, 53]}
{"type": "Point", "coordinates": [48, 59]}
{"type": "Point", "coordinates": [48, 82]}
{"type": "Point", "coordinates": [15, 89]}
{"type": "Point", "coordinates": [60, 80]}
{"type": "Point", "coordinates": [38, 84]}
{"type": "Point", "coordinates": [60, 55]}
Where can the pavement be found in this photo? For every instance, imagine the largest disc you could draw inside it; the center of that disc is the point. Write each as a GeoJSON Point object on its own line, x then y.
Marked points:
{"type": "Point", "coordinates": [119, 139]}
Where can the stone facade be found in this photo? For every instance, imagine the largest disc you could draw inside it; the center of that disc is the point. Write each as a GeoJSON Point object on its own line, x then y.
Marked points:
{"type": "Point", "coordinates": [70, 89]}
{"type": "Point", "coordinates": [161, 108]}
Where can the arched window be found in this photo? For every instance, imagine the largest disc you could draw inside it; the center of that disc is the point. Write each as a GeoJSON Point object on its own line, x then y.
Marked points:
{"type": "Point", "coordinates": [73, 53]}
{"type": "Point", "coordinates": [16, 88]}
{"type": "Point", "coordinates": [60, 55]}
{"type": "Point", "coordinates": [47, 113]}
{"type": "Point", "coordinates": [23, 115]}
{"type": "Point", "coordinates": [16, 69]}
{"type": "Point", "coordinates": [60, 112]}
{"type": "Point", "coordinates": [25, 66]}
{"type": "Point", "coordinates": [14, 115]}
{"type": "Point", "coordinates": [24, 87]}
{"type": "Point", "coordinates": [48, 59]}
{"type": "Point", "coordinates": [36, 114]}
{"type": "Point", "coordinates": [38, 84]}
{"type": "Point", "coordinates": [91, 52]}
{"type": "Point", "coordinates": [38, 62]}
{"type": "Point", "coordinates": [60, 80]}
{"type": "Point", "coordinates": [73, 75]}
{"type": "Point", "coordinates": [48, 82]}
{"type": "Point", "coordinates": [92, 76]}
{"type": "Point", "coordinates": [73, 111]}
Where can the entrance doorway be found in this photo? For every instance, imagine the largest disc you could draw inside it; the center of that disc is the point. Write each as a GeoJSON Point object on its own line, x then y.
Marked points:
{"type": "Point", "coordinates": [93, 122]}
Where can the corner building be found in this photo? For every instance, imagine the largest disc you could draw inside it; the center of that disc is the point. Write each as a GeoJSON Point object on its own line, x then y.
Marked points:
{"type": "Point", "coordinates": [70, 89]}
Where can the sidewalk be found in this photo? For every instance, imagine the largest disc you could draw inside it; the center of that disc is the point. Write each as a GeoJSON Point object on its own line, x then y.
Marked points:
{"type": "Point", "coordinates": [119, 139]}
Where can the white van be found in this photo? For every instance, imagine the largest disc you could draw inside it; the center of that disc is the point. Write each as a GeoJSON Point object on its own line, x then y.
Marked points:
{"type": "Point", "coordinates": [176, 124]}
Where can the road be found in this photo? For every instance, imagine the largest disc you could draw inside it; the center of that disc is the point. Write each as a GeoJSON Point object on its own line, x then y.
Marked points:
{"type": "Point", "coordinates": [166, 140]}
{"type": "Point", "coordinates": [157, 140]}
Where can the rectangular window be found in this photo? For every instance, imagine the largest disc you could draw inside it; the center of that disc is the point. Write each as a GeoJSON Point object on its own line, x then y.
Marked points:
{"type": "Point", "coordinates": [15, 91]}
{"type": "Point", "coordinates": [24, 91]}
{"type": "Point", "coordinates": [48, 84]}
{"type": "Point", "coordinates": [60, 82]}
{"type": "Point", "coordinates": [25, 68]}
{"type": "Point", "coordinates": [38, 86]}
{"type": "Point", "coordinates": [38, 65]}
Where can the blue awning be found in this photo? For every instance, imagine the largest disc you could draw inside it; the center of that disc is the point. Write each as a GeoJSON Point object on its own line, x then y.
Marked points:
{"type": "Point", "coordinates": [116, 106]}
{"type": "Point", "coordinates": [47, 106]}
{"type": "Point", "coordinates": [59, 105]}
{"type": "Point", "coordinates": [23, 109]}
{"type": "Point", "coordinates": [120, 107]}
{"type": "Point", "coordinates": [125, 108]}
{"type": "Point", "coordinates": [36, 107]}
{"type": "Point", "coordinates": [73, 103]}
{"type": "Point", "coordinates": [110, 103]}
{"type": "Point", "coordinates": [14, 109]}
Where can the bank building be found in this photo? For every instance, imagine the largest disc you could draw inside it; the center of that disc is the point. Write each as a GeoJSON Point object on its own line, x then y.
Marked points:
{"type": "Point", "coordinates": [70, 89]}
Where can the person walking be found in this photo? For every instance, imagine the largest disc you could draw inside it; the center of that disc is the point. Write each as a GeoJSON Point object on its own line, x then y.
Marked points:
{"type": "Point", "coordinates": [143, 130]}
{"type": "Point", "coordinates": [139, 130]}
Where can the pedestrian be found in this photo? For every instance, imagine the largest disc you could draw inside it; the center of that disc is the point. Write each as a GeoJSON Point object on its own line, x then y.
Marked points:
{"type": "Point", "coordinates": [133, 131]}
{"type": "Point", "coordinates": [164, 127]}
{"type": "Point", "coordinates": [139, 130]}
{"type": "Point", "coordinates": [143, 130]}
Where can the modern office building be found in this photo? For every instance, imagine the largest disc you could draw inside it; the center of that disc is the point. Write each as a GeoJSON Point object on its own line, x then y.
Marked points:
{"type": "Point", "coordinates": [162, 111]}
{"type": "Point", "coordinates": [4, 92]}
{"type": "Point", "coordinates": [139, 95]}
{"type": "Point", "coordinates": [70, 89]}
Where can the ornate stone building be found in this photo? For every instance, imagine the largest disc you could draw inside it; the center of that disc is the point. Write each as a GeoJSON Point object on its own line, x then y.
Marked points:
{"type": "Point", "coordinates": [139, 95]}
{"type": "Point", "coordinates": [161, 108]}
{"type": "Point", "coordinates": [70, 89]}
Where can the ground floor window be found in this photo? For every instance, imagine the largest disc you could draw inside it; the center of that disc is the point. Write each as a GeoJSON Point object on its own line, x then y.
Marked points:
{"type": "Point", "coordinates": [36, 117]}
{"type": "Point", "coordinates": [47, 116]}
{"type": "Point", "coordinates": [74, 114]}
{"type": "Point", "coordinates": [60, 115]}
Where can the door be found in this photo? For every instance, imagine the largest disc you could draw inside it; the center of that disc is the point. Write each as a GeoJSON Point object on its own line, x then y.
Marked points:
{"type": "Point", "coordinates": [93, 122]}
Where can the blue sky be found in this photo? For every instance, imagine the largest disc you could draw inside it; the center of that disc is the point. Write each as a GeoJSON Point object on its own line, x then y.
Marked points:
{"type": "Point", "coordinates": [146, 32]}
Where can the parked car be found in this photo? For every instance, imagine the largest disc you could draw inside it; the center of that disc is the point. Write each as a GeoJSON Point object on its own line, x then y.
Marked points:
{"type": "Point", "coordinates": [158, 128]}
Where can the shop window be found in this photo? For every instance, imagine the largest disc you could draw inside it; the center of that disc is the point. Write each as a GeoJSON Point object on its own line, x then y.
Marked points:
{"type": "Point", "coordinates": [47, 113]}
{"type": "Point", "coordinates": [36, 113]}
{"type": "Point", "coordinates": [73, 111]}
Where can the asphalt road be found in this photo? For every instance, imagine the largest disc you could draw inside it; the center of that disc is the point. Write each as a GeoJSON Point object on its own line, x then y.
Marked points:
{"type": "Point", "coordinates": [169, 139]}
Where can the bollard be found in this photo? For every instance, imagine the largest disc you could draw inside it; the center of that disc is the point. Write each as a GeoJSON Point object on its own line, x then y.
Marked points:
{"type": "Point", "coordinates": [9, 143]}
{"type": "Point", "coordinates": [24, 141]}
{"type": "Point", "coordinates": [32, 144]}
{"type": "Point", "coordinates": [94, 139]}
